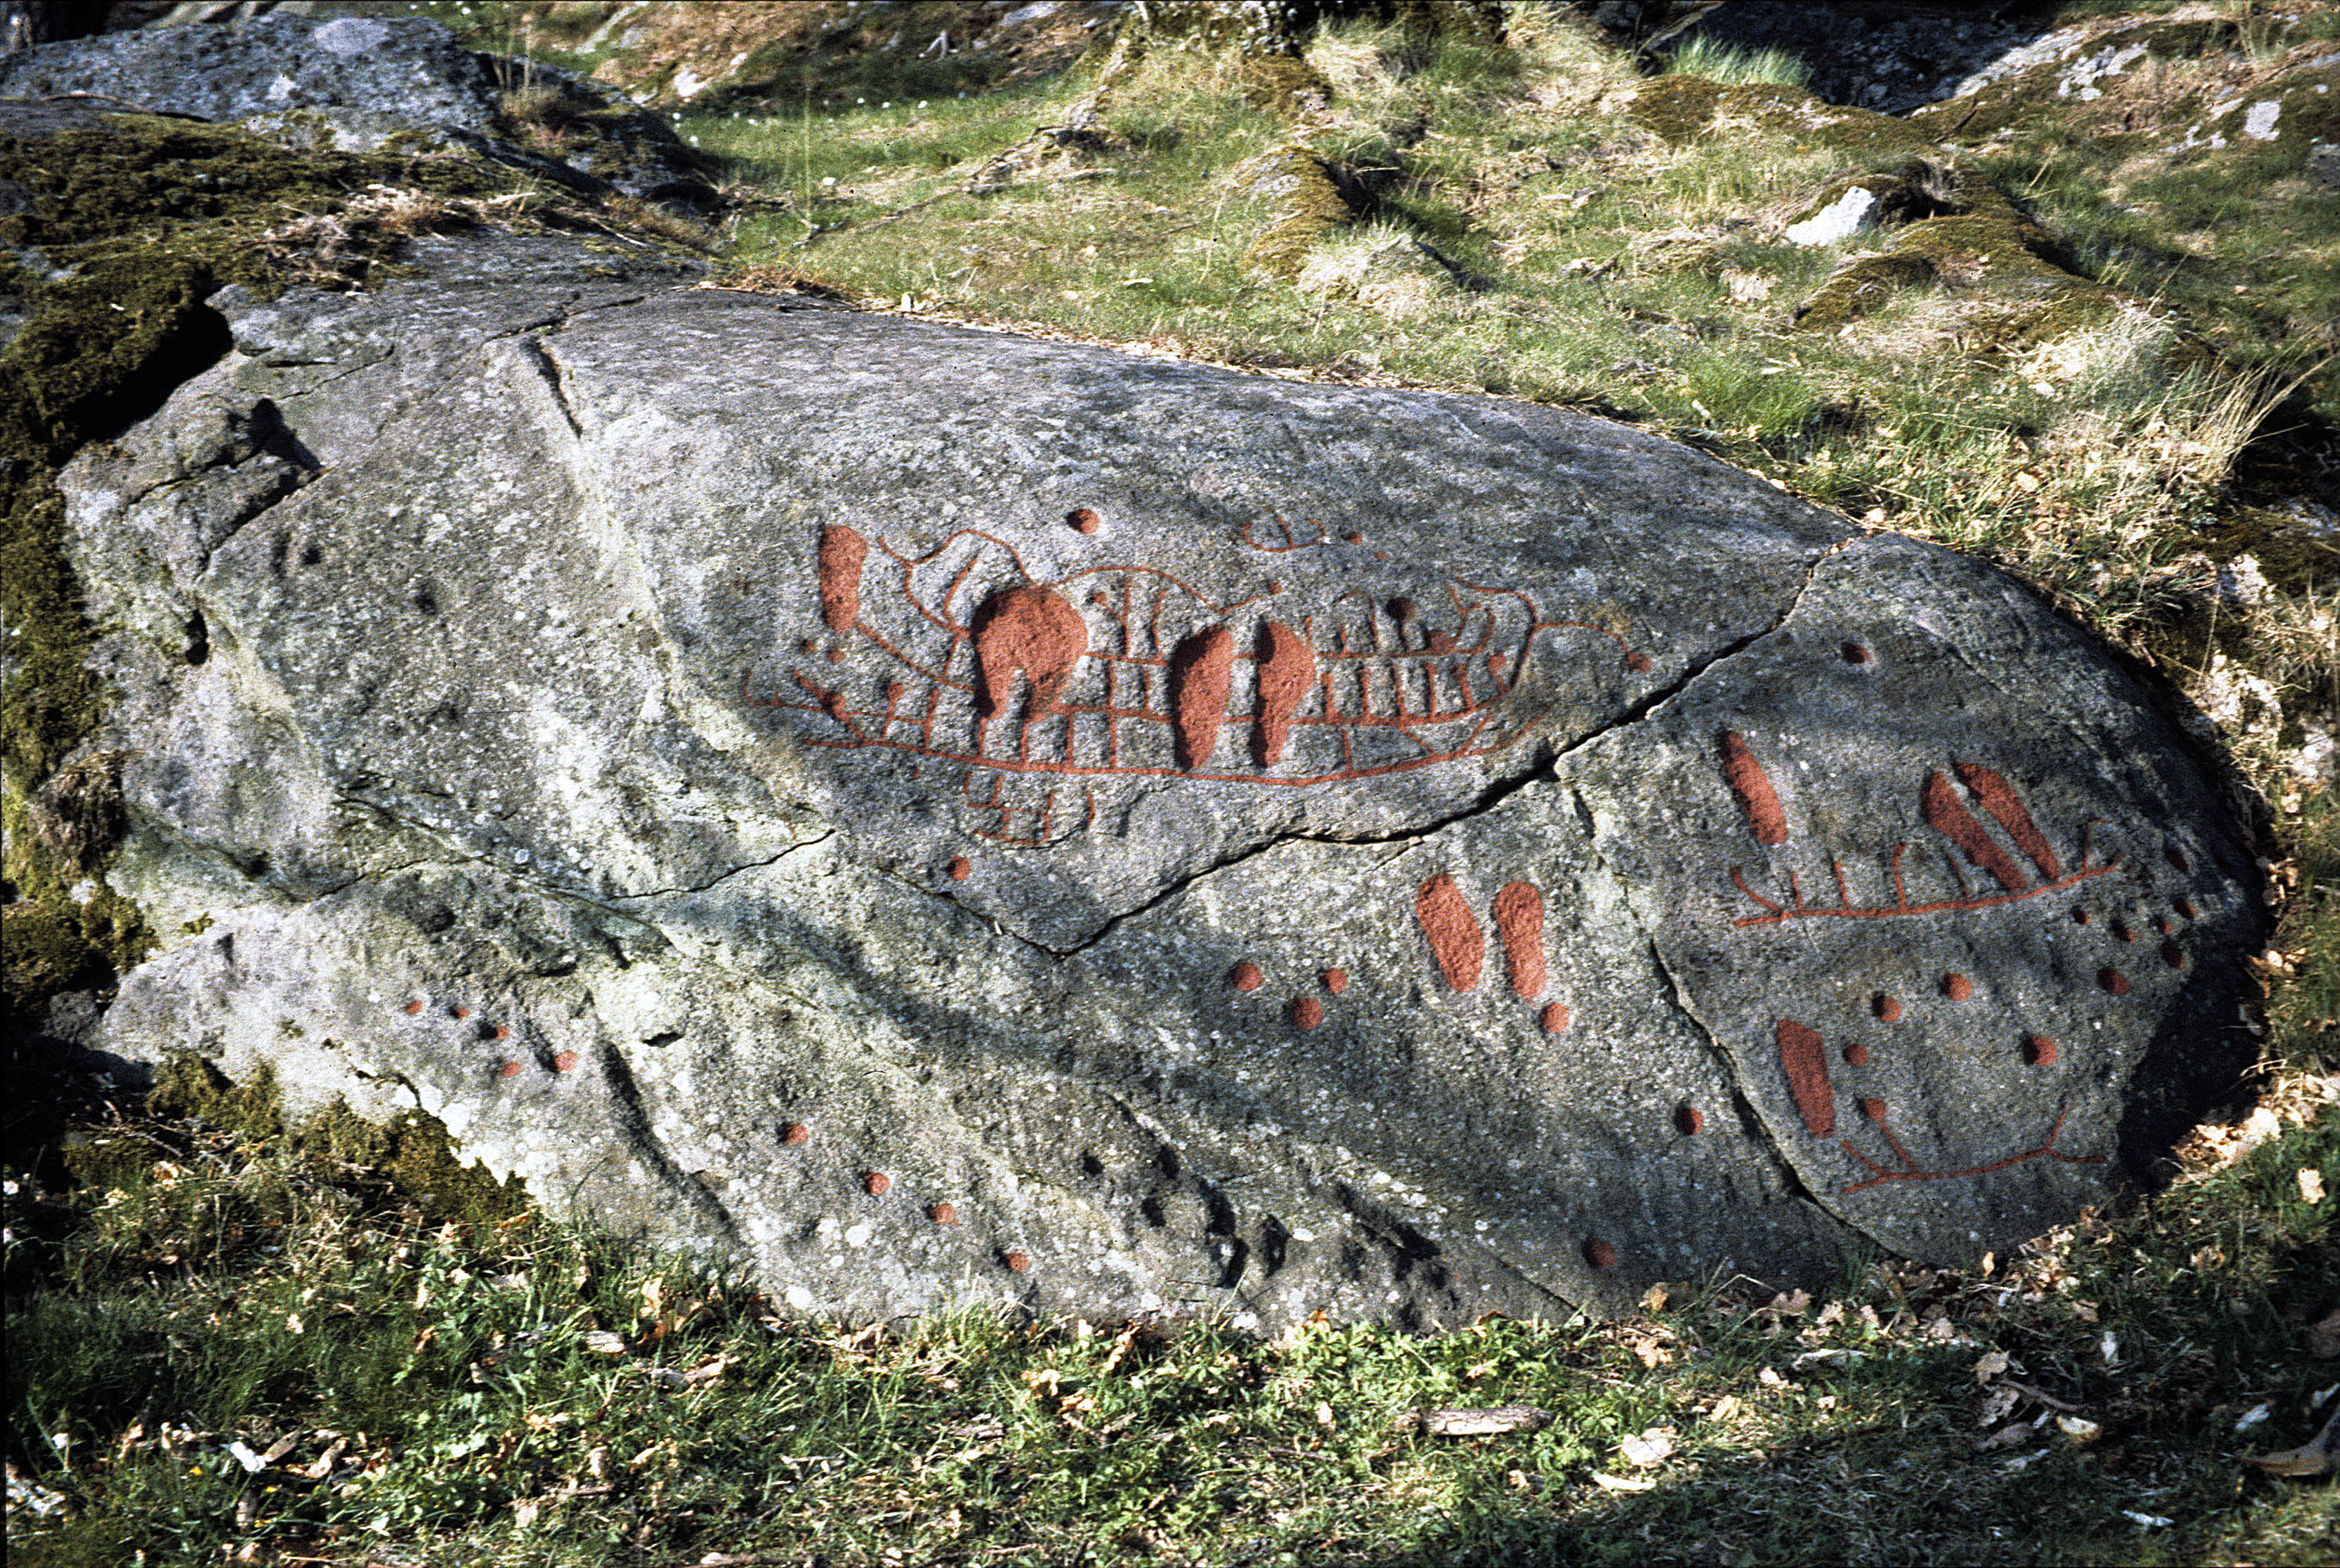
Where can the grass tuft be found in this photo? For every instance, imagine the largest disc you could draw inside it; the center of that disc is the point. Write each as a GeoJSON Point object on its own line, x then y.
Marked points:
{"type": "Point", "coordinates": [1730, 66]}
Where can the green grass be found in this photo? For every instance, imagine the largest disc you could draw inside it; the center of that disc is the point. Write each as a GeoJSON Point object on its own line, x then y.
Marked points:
{"type": "Point", "coordinates": [1736, 67]}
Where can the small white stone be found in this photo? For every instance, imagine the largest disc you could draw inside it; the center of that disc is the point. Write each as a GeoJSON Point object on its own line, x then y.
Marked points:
{"type": "Point", "coordinates": [1841, 219]}
{"type": "Point", "coordinates": [797, 1297]}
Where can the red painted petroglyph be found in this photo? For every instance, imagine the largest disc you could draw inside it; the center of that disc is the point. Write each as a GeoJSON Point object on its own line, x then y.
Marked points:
{"type": "Point", "coordinates": [1456, 943]}
{"type": "Point", "coordinates": [1287, 674]}
{"type": "Point", "coordinates": [796, 1132]}
{"type": "Point", "coordinates": [1888, 1008]}
{"type": "Point", "coordinates": [1944, 813]}
{"type": "Point", "coordinates": [1201, 671]}
{"type": "Point", "coordinates": [458, 1013]}
{"type": "Point", "coordinates": [508, 1070]}
{"type": "Point", "coordinates": [1804, 1060]}
{"type": "Point", "coordinates": [2172, 955]}
{"type": "Point", "coordinates": [1688, 1119]}
{"type": "Point", "coordinates": [1752, 785]}
{"type": "Point", "coordinates": [1084, 520]}
{"type": "Point", "coordinates": [1245, 976]}
{"type": "Point", "coordinates": [1999, 798]}
{"type": "Point", "coordinates": [959, 868]}
{"type": "Point", "coordinates": [1873, 1109]}
{"type": "Point", "coordinates": [1307, 1014]}
{"type": "Point", "coordinates": [2175, 856]}
{"type": "Point", "coordinates": [1336, 980]}
{"type": "Point", "coordinates": [2113, 980]}
{"type": "Point", "coordinates": [412, 1007]}
{"type": "Point", "coordinates": [1016, 1262]}
{"type": "Point", "coordinates": [943, 1214]}
{"type": "Point", "coordinates": [1554, 1018]}
{"type": "Point", "coordinates": [1909, 1171]}
{"type": "Point", "coordinates": [2121, 930]}
{"type": "Point", "coordinates": [2039, 1050]}
{"type": "Point", "coordinates": [2080, 915]}
{"type": "Point", "coordinates": [2183, 906]}
{"type": "Point", "coordinates": [842, 552]}
{"type": "Point", "coordinates": [934, 646]}
{"type": "Point", "coordinates": [1854, 653]}
{"type": "Point", "coordinates": [1957, 987]}
{"type": "Point", "coordinates": [1856, 1055]}
{"type": "Point", "coordinates": [1518, 924]}
{"type": "Point", "coordinates": [1600, 1254]}
{"type": "Point", "coordinates": [876, 1182]}
{"type": "Point", "coordinates": [566, 1061]}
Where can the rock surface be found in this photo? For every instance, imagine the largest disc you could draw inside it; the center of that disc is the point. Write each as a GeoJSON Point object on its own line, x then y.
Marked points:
{"type": "Point", "coordinates": [939, 817]}
{"type": "Point", "coordinates": [356, 81]}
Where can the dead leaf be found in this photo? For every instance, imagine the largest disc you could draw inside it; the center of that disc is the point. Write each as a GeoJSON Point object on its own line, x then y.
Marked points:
{"type": "Point", "coordinates": [1654, 1298]}
{"type": "Point", "coordinates": [1648, 1448]}
{"type": "Point", "coordinates": [2312, 1457]}
{"type": "Point", "coordinates": [1792, 1303]}
{"type": "Point", "coordinates": [2079, 1428]}
{"type": "Point", "coordinates": [2311, 1186]}
{"type": "Point", "coordinates": [1620, 1483]}
{"type": "Point", "coordinates": [1994, 1406]}
{"type": "Point", "coordinates": [1991, 1366]}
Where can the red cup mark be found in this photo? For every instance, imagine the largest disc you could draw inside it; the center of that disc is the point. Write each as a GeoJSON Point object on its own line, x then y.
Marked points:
{"type": "Point", "coordinates": [2185, 906]}
{"type": "Point", "coordinates": [2121, 930]}
{"type": "Point", "coordinates": [1957, 987]}
{"type": "Point", "coordinates": [1688, 1119]}
{"type": "Point", "coordinates": [412, 1007]}
{"type": "Point", "coordinates": [1352, 538]}
{"type": "Point", "coordinates": [1245, 976]}
{"type": "Point", "coordinates": [1336, 980]}
{"type": "Point", "coordinates": [1082, 520]}
{"type": "Point", "coordinates": [566, 1061]}
{"type": "Point", "coordinates": [1555, 1017]}
{"type": "Point", "coordinates": [1886, 1007]}
{"type": "Point", "coordinates": [2113, 980]}
{"type": "Point", "coordinates": [2161, 926]}
{"type": "Point", "coordinates": [1016, 1263]}
{"type": "Point", "coordinates": [2172, 955]}
{"type": "Point", "coordinates": [2080, 915]}
{"type": "Point", "coordinates": [1856, 1055]}
{"type": "Point", "coordinates": [943, 1214]}
{"type": "Point", "coordinates": [508, 1069]}
{"type": "Point", "coordinates": [1638, 663]}
{"type": "Point", "coordinates": [458, 1013]}
{"type": "Point", "coordinates": [1307, 1014]}
{"type": "Point", "coordinates": [1873, 1109]}
{"type": "Point", "coordinates": [806, 646]}
{"type": "Point", "coordinates": [2039, 1050]}
{"type": "Point", "coordinates": [502, 1033]}
{"type": "Point", "coordinates": [2175, 856]}
{"type": "Point", "coordinates": [1854, 653]}
{"type": "Point", "coordinates": [1600, 1254]}
{"type": "Point", "coordinates": [960, 868]}
{"type": "Point", "coordinates": [796, 1132]}
{"type": "Point", "coordinates": [876, 1182]}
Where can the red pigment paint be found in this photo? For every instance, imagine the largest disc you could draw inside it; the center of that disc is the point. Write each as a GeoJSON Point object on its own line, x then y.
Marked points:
{"type": "Point", "coordinates": [2175, 856]}
{"type": "Point", "coordinates": [1888, 1008]}
{"type": "Point", "coordinates": [2185, 906]}
{"type": "Point", "coordinates": [1352, 538]}
{"type": "Point", "coordinates": [1287, 673]}
{"type": "Point", "coordinates": [1873, 1109]}
{"type": "Point", "coordinates": [2172, 955]}
{"type": "Point", "coordinates": [1600, 1254]}
{"type": "Point", "coordinates": [796, 1132]}
{"type": "Point", "coordinates": [2113, 980]}
{"type": "Point", "coordinates": [1854, 653]}
{"type": "Point", "coordinates": [842, 552]}
{"type": "Point", "coordinates": [1856, 1055]}
{"type": "Point", "coordinates": [1519, 922]}
{"type": "Point", "coordinates": [1016, 1262]}
{"type": "Point", "coordinates": [943, 1214]}
{"type": "Point", "coordinates": [1999, 799]}
{"type": "Point", "coordinates": [1638, 663]}
{"type": "Point", "coordinates": [960, 868]}
{"type": "Point", "coordinates": [876, 1182]}
{"type": "Point", "coordinates": [2161, 926]}
{"type": "Point", "coordinates": [1456, 943]}
{"type": "Point", "coordinates": [458, 1013]}
{"type": "Point", "coordinates": [1752, 785]}
{"type": "Point", "coordinates": [508, 1069]}
{"type": "Point", "coordinates": [806, 646]}
{"type": "Point", "coordinates": [1027, 629]}
{"type": "Point", "coordinates": [1688, 1119]}
{"type": "Point", "coordinates": [2039, 1050]}
{"type": "Point", "coordinates": [412, 1007]}
{"type": "Point", "coordinates": [2121, 930]}
{"type": "Point", "coordinates": [502, 1033]}
{"type": "Point", "coordinates": [1200, 668]}
{"type": "Point", "coordinates": [1939, 804]}
{"type": "Point", "coordinates": [1307, 1014]}
{"type": "Point", "coordinates": [835, 656]}
{"type": "Point", "coordinates": [1245, 976]}
{"type": "Point", "coordinates": [1336, 980]}
{"type": "Point", "coordinates": [2080, 915]}
{"type": "Point", "coordinates": [1804, 1060]}
{"type": "Point", "coordinates": [1555, 1017]}
{"type": "Point", "coordinates": [1082, 519]}
{"type": "Point", "coordinates": [1957, 987]}
{"type": "Point", "coordinates": [566, 1060]}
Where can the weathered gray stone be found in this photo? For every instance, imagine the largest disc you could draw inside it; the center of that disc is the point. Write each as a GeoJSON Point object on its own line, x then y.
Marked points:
{"type": "Point", "coordinates": [940, 817]}
{"type": "Point", "coordinates": [356, 81]}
